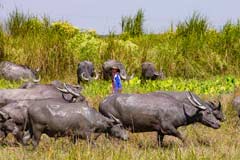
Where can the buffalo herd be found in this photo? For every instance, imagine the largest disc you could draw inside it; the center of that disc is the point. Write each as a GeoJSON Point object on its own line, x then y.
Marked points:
{"type": "Point", "coordinates": [59, 109]}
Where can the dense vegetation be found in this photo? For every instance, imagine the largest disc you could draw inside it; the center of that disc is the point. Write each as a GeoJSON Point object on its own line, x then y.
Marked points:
{"type": "Point", "coordinates": [193, 49]}
{"type": "Point", "coordinates": [194, 56]}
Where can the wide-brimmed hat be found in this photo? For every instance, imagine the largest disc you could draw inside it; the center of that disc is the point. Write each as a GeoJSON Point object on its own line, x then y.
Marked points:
{"type": "Point", "coordinates": [116, 67]}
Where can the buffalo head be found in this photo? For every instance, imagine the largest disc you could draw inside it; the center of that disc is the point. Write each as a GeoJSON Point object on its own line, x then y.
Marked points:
{"type": "Point", "coordinates": [203, 114]}
{"type": "Point", "coordinates": [85, 71]}
{"type": "Point", "coordinates": [76, 96]}
{"type": "Point", "coordinates": [107, 70]}
{"type": "Point", "coordinates": [149, 72]}
{"type": "Point", "coordinates": [116, 129]}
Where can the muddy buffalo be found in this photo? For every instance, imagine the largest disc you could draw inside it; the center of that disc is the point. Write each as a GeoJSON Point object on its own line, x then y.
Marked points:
{"type": "Point", "coordinates": [78, 120]}
{"type": "Point", "coordinates": [15, 72]}
{"type": "Point", "coordinates": [13, 114]}
{"type": "Point", "coordinates": [160, 113]}
{"type": "Point", "coordinates": [41, 91]}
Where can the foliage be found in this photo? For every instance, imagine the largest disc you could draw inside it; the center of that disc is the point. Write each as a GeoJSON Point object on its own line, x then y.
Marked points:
{"type": "Point", "coordinates": [193, 50]}
{"type": "Point", "coordinates": [65, 29]}
{"type": "Point", "coordinates": [133, 25]}
{"type": "Point", "coordinates": [86, 46]}
{"type": "Point", "coordinates": [195, 25]}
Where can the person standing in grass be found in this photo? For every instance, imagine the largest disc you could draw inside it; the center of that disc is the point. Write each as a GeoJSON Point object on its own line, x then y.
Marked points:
{"type": "Point", "coordinates": [116, 80]}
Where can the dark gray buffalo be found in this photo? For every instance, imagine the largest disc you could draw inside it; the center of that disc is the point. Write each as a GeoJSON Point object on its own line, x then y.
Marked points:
{"type": "Point", "coordinates": [40, 91]}
{"type": "Point", "coordinates": [107, 70]}
{"type": "Point", "coordinates": [15, 72]}
{"type": "Point", "coordinates": [13, 115]}
{"type": "Point", "coordinates": [149, 112]}
{"type": "Point", "coordinates": [78, 120]}
{"type": "Point", "coordinates": [149, 72]}
{"type": "Point", "coordinates": [14, 120]}
{"type": "Point", "coordinates": [85, 72]}
{"type": "Point", "coordinates": [216, 107]}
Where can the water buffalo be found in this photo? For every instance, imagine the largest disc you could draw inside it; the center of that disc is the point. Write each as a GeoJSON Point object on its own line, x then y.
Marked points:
{"type": "Point", "coordinates": [149, 112]}
{"type": "Point", "coordinates": [13, 115]}
{"type": "Point", "coordinates": [149, 72]}
{"type": "Point", "coordinates": [107, 70]}
{"type": "Point", "coordinates": [14, 119]}
{"type": "Point", "coordinates": [58, 119]}
{"type": "Point", "coordinates": [182, 96]}
{"type": "Point", "coordinates": [15, 72]}
{"type": "Point", "coordinates": [40, 91]}
{"type": "Point", "coordinates": [85, 71]}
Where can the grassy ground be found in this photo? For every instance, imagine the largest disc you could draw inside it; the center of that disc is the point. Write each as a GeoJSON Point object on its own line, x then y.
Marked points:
{"type": "Point", "coordinates": [202, 142]}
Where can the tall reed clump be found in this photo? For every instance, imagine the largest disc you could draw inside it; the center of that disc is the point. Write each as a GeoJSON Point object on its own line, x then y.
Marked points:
{"type": "Point", "coordinates": [229, 44]}
{"type": "Point", "coordinates": [39, 43]}
{"type": "Point", "coordinates": [191, 36]}
{"type": "Point", "coordinates": [133, 25]}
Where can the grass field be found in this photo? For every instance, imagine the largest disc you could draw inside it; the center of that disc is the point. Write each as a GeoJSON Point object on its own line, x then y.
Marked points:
{"type": "Point", "coordinates": [202, 142]}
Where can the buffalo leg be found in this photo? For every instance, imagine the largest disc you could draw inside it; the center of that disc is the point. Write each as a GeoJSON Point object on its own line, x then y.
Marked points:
{"type": "Point", "coordinates": [171, 130]}
{"type": "Point", "coordinates": [176, 133]}
{"type": "Point", "coordinates": [37, 132]}
{"type": "Point", "coordinates": [160, 137]}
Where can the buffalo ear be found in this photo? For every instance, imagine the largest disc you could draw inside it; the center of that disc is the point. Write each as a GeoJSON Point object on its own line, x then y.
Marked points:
{"type": "Point", "coordinates": [189, 110]}
{"type": "Point", "coordinates": [3, 116]}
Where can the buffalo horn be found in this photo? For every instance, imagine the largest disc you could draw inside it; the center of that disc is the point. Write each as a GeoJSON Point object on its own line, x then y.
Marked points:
{"type": "Point", "coordinates": [195, 100]}
{"type": "Point", "coordinates": [122, 76]}
{"type": "Point", "coordinates": [114, 118]}
{"type": "Point", "coordinates": [24, 80]}
{"type": "Point", "coordinates": [96, 76]}
{"type": "Point", "coordinates": [156, 73]}
{"type": "Point", "coordinates": [62, 90]}
{"type": "Point", "coordinates": [131, 77]}
{"type": "Point", "coordinates": [71, 91]}
{"type": "Point", "coordinates": [83, 77]}
{"type": "Point", "coordinates": [194, 103]}
{"type": "Point", "coordinates": [37, 80]}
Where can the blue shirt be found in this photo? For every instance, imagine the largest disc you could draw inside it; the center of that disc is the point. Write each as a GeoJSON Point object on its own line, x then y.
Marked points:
{"type": "Point", "coordinates": [117, 83]}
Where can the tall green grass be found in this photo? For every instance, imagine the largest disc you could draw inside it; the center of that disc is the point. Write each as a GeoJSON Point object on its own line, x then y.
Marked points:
{"type": "Point", "coordinates": [133, 26]}
{"type": "Point", "coordinates": [194, 49]}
